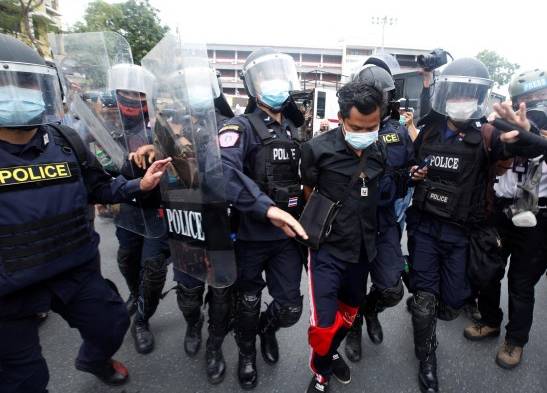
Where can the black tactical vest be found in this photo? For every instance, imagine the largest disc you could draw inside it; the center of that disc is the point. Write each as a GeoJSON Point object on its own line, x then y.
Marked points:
{"type": "Point", "coordinates": [455, 186]}
{"type": "Point", "coordinates": [276, 166]}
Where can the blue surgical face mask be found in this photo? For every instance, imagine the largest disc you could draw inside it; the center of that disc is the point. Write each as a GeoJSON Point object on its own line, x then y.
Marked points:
{"type": "Point", "coordinates": [20, 106]}
{"type": "Point", "coordinates": [274, 93]}
{"type": "Point", "coordinates": [360, 140]}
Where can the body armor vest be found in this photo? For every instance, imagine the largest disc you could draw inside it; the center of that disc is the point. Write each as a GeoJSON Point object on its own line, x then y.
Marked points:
{"type": "Point", "coordinates": [44, 224]}
{"type": "Point", "coordinates": [455, 186]}
{"type": "Point", "coordinates": [276, 167]}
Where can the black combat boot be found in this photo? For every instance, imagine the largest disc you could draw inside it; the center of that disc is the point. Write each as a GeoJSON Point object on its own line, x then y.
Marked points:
{"type": "Point", "coordinates": [428, 375]}
{"type": "Point", "coordinates": [246, 325]}
{"type": "Point", "coordinates": [190, 301]}
{"type": "Point", "coordinates": [129, 263]}
{"type": "Point", "coordinates": [353, 339]}
{"type": "Point", "coordinates": [424, 321]}
{"type": "Point", "coordinates": [220, 310]}
{"type": "Point", "coordinates": [142, 336]}
{"type": "Point", "coordinates": [215, 364]}
{"type": "Point", "coordinates": [153, 280]}
{"type": "Point", "coordinates": [374, 328]}
{"type": "Point", "coordinates": [268, 341]}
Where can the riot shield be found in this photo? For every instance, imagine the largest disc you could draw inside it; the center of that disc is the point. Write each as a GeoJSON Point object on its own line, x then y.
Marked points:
{"type": "Point", "coordinates": [106, 94]}
{"type": "Point", "coordinates": [193, 190]}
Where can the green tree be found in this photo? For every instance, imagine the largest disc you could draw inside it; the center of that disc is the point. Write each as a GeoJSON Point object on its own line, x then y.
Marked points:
{"type": "Point", "coordinates": [136, 20]}
{"type": "Point", "coordinates": [18, 18]}
{"type": "Point", "coordinates": [501, 70]}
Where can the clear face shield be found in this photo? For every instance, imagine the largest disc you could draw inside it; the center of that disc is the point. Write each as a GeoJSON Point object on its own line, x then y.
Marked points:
{"type": "Point", "coordinates": [29, 95]}
{"type": "Point", "coordinates": [271, 78]}
{"type": "Point", "coordinates": [461, 98]}
{"type": "Point", "coordinates": [536, 107]}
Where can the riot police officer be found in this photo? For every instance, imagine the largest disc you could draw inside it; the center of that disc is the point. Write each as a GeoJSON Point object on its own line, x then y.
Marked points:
{"type": "Point", "coordinates": [142, 260]}
{"type": "Point", "coordinates": [450, 199]}
{"type": "Point", "coordinates": [48, 249]}
{"type": "Point", "coordinates": [190, 291]}
{"type": "Point", "coordinates": [387, 289]}
{"type": "Point", "coordinates": [261, 157]}
{"type": "Point", "coordinates": [523, 241]}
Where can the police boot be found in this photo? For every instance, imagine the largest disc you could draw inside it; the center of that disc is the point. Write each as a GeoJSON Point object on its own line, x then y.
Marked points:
{"type": "Point", "coordinates": [190, 301]}
{"type": "Point", "coordinates": [215, 364]}
{"type": "Point", "coordinates": [246, 326]}
{"type": "Point", "coordinates": [153, 280]}
{"type": "Point", "coordinates": [374, 328]}
{"type": "Point", "coordinates": [129, 263]}
{"type": "Point", "coordinates": [142, 336]}
{"type": "Point", "coordinates": [424, 321]}
{"type": "Point", "coordinates": [220, 305]}
{"type": "Point", "coordinates": [267, 327]}
{"type": "Point", "coordinates": [353, 339]}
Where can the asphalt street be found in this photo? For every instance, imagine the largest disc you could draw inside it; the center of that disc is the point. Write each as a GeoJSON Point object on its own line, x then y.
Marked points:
{"type": "Point", "coordinates": [389, 367]}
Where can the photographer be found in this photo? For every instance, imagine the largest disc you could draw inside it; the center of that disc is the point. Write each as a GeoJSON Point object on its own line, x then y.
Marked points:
{"type": "Point", "coordinates": [344, 165]}
{"type": "Point", "coordinates": [517, 209]}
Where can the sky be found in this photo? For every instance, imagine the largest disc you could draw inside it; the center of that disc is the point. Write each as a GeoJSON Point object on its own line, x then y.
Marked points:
{"type": "Point", "coordinates": [513, 29]}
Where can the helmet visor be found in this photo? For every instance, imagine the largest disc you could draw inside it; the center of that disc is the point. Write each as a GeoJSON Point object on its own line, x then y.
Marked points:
{"type": "Point", "coordinates": [459, 89]}
{"type": "Point", "coordinates": [265, 70]}
{"type": "Point", "coordinates": [130, 77]}
{"type": "Point", "coordinates": [29, 95]}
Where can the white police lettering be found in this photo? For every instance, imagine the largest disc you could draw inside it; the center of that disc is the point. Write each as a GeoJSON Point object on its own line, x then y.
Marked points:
{"type": "Point", "coordinates": [186, 223]}
{"type": "Point", "coordinates": [443, 162]}
{"type": "Point", "coordinates": [280, 154]}
{"type": "Point", "coordinates": [293, 154]}
{"type": "Point", "coordinates": [438, 197]}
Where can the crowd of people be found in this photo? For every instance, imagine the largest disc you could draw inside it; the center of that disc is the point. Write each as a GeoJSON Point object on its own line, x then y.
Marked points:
{"type": "Point", "coordinates": [238, 203]}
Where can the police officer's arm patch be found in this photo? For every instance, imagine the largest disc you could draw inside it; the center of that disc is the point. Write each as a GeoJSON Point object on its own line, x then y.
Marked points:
{"type": "Point", "coordinates": [391, 137]}
{"type": "Point", "coordinates": [229, 135]}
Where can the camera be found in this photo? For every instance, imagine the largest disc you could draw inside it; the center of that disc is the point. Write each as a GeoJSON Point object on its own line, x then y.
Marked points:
{"type": "Point", "coordinates": [435, 59]}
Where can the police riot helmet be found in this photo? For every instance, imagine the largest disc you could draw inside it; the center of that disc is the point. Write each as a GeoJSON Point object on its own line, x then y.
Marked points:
{"type": "Point", "coordinates": [462, 90]}
{"type": "Point", "coordinates": [29, 89]}
{"type": "Point", "coordinates": [269, 77]}
{"type": "Point", "coordinates": [377, 77]}
{"type": "Point", "coordinates": [132, 85]}
{"type": "Point", "coordinates": [530, 87]}
{"type": "Point", "coordinates": [385, 61]}
{"type": "Point", "coordinates": [196, 87]}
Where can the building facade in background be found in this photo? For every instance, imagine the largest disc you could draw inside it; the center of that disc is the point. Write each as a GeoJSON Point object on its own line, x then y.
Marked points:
{"type": "Point", "coordinates": [317, 67]}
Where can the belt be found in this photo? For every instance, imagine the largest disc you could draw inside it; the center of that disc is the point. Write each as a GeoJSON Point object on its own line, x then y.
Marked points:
{"type": "Point", "coordinates": [542, 202]}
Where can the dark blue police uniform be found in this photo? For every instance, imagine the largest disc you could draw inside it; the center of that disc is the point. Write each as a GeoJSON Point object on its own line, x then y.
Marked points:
{"type": "Point", "coordinates": [48, 257]}
{"type": "Point", "coordinates": [388, 265]}
{"type": "Point", "coordinates": [261, 159]}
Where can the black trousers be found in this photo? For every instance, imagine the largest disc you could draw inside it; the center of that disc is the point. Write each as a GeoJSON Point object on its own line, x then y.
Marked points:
{"type": "Point", "coordinates": [527, 249]}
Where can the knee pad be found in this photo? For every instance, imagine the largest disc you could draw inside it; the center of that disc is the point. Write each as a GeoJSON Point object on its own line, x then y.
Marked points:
{"type": "Point", "coordinates": [155, 269]}
{"type": "Point", "coordinates": [248, 303]}
{"type": "Point", "coordinates": [390, 297]}
{"type": "Point", "coordinates": [447, 313]}
{"type": "Point", "coordinates": [424, 304]}
{"type": "Point", "coordinates": [289, 315]}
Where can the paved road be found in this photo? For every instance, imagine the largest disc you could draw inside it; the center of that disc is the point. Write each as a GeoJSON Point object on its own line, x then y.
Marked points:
{"type": "Point", "coordinates": [390, 367]}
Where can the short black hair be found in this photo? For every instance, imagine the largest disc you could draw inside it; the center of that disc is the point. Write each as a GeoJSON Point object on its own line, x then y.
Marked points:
{"type": "Point", "coordinates": [361, 95]}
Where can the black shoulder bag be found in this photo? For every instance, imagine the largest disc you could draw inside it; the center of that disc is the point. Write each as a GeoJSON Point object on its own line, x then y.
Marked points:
{"type": "Point", "coordinates": [320, 212]}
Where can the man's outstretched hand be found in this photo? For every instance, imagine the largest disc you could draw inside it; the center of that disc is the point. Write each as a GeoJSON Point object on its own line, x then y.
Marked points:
{"type": "Point", "coordinates": [286, 222]}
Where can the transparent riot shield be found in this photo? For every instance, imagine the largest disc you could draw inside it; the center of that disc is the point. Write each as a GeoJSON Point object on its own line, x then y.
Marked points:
{"type": "Point", "coordinates": [193, 190]}
{"type": "Point", "coordinates": [106, 94]}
